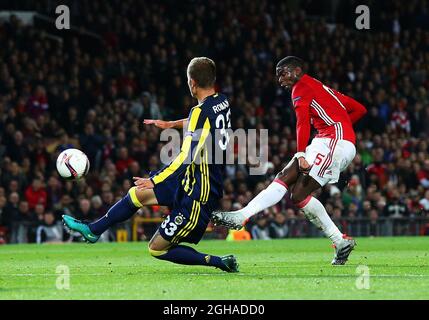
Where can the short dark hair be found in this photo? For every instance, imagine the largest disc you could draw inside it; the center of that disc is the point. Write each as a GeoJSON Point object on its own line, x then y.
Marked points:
{"type": "Point", "coordinates": [203, 71]}
{"type": "Point", "coordinates": [290, 61]}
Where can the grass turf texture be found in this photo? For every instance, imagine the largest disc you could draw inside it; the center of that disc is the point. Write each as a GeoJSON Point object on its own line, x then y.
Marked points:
{"type": "Point", "coordinates": [277, 269]}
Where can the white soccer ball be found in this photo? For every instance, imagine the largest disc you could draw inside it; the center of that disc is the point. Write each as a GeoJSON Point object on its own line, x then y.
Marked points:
{"type": "Point", "coordinates": [72, 164]}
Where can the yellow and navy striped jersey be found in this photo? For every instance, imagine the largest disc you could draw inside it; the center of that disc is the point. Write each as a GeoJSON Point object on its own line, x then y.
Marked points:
{"type": "Point", "coordinates": [201, 162]}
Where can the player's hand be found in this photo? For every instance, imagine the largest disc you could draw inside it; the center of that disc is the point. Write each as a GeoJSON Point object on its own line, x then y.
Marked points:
{"type": "Point", "coordinates": [159, 123]}
{"type": "Point", "coordinates": [143, 183]}
{"type": "Point", "coordinates": [303, 165]}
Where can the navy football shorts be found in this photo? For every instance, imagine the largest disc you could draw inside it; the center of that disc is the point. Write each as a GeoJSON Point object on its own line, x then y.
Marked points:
{"type": "Point", "coordinates": [188, 219]}
{"type": "Point", "coordinates": [165, 192]}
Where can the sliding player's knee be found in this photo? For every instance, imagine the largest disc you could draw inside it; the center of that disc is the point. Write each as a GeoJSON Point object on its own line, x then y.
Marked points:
{"type": "Point", "coordinates": [155, 251]}
{"type": "Point", "coordinates": [158, 246]}
{"type": "Point", "coordinates": [135, 197]}
{"type": "Point", "coordinates": [143, 197]}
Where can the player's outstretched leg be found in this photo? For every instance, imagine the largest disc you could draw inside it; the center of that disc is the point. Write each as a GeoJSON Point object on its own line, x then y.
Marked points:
{"type": "Point", "coordinates": [265, 199]}
{"type": "Point", "coordinates": [316, 213]}
{"type": "Point", "coordinates": [120, 211]}
{"type": "Point", "coordinates": [162, 249]}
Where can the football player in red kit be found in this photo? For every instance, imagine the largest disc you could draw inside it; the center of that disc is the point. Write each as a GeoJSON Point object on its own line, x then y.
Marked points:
{"type": "Point", "coordinates": [314, 165]}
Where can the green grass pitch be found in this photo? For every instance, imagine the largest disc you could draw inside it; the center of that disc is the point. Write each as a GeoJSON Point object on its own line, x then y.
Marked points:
{"type": "Point", "coordinates": [278, 269]}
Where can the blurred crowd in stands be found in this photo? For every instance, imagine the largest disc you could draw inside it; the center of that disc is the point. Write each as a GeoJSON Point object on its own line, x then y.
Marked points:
{"type": "Point", "coordinates": [56, 95]}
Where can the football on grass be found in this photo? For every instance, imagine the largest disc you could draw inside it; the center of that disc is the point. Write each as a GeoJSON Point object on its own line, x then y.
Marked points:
{"type": "Point", "coordinates": [72, 164]}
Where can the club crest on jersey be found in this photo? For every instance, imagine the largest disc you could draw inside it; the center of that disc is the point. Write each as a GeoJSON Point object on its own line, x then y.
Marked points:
{"type": "Point", "coordinates": [179, 219]}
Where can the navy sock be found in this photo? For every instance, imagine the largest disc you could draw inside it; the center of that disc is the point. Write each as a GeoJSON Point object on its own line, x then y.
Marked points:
{"type": "Point", "coordinates": [187, 255]}
{"type": "Point", "coordinates": [120, 211]}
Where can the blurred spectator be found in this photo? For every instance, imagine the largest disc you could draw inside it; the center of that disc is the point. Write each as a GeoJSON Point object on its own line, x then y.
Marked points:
{"type": "Point", "coordinates": [64, 143]}
{"type": "Point", "coordinates": [37, 103]}
{"type": "Point", "coordinates": [11, 211]}
{"type": "Point", "coordinates": [423, 174]}
{"type": "Point", "coordinates": [3, 212]}
{"type": "Point", "coordinates": [395, 208]}
{"type": "Point", "coordinates": [36, 194]}
{"type": "Point", "coordinates": [278, 227]}
{"type": "Point", "coordinates": [39, 211]}
{"type": "Point", "coordinates": [377, 170]}
{"type": "Point", "coordinates": [85, 212]}
{"type": "Point", "coordinates": [54, 191]}
{"type": "Point", "coordinates": [17, 150]}
{"type": "Point", "coordinates": [23, 232]}
{"type": "Point", "coordinates": [124, 160]}
{"type": "Point", "coordinates": [373, 226]}
{"type": "Point", "coordinates": [91, 144]}
{"type": "Point", "coordinates": [65, 206]}
{"type": "Point", "coordinates": [260, 230]}
{"type": "Point", "coordinates": [49, 231]}
{"type": "Point", "coordinates": [97, 205]}
{"type": "Point", "coordinates": [425, 202]}
{"type": "Point", "coordinates": [14, 173]}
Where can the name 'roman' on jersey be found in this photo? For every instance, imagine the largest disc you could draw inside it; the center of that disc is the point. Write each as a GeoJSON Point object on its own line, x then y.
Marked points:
{"type": "Point", "coordinates": [201, 176]}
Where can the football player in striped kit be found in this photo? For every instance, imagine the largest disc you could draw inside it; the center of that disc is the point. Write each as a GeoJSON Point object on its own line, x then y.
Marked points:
{"type": "Point", "coordinates": [314, 165]}
{"type": "Point", "coordinates": [191, 184]}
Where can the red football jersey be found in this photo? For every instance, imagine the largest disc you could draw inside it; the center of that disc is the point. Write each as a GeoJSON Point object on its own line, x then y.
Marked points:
{"type": "Point", "coordinates": [330, 112]}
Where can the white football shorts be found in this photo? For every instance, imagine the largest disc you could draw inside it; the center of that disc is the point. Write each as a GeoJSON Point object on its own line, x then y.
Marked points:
{"type": "Point", "coordinates": [328, 158]}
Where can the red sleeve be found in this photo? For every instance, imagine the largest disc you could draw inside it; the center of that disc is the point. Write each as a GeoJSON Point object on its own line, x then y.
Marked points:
{"type": "Point", "coordinates": [354, 109]}
{"type": "Point", "coordinates": [301, 99]}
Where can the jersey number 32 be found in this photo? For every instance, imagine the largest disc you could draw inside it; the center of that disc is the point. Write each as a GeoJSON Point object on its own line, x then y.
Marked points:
{"type": "Point", "coordinates": [223, 124]}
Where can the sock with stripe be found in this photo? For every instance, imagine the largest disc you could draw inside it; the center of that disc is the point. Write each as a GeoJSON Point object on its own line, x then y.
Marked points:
{"type": "Point", "coordinates": [315, 211]}
{"type": "Point", "coordinates": [265, 199]}
{"type": "Point", "coordinates": [120, 211]}
{"type": "Point", "coordinates": [189, 256]}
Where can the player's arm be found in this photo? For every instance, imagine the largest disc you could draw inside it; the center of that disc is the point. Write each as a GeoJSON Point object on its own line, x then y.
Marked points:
{"type": "Point", "coordinates": [194, 139]}
{"type": "Point", "coordinates": [303, 127]}
{"type": "Point", "coordinates": [178, 124]}
{"type": "Point", "coordinates": [354, 109]}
